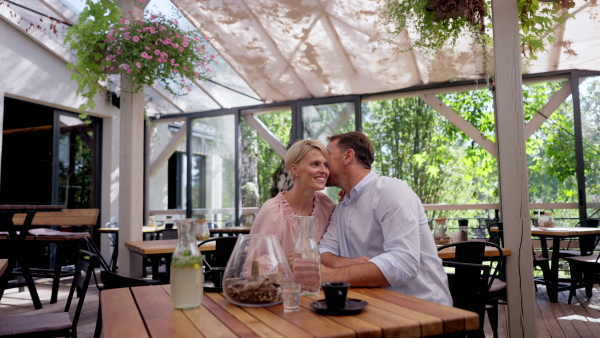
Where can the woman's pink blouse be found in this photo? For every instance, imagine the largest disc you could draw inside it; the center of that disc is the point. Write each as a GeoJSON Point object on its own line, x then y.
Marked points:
{"type": "Point", "coordinates": [276, 217]}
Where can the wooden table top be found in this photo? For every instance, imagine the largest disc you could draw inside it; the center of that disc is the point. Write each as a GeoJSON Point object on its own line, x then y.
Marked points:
{"type": "Point", "coordinates": [148, 229]}
{"type": "Point", "coordinates": [145, 229]}
{"type": "Point", "coordinates": [147, 311]}
{"type": "Point", "coordinates": [29, 208]}
{"type": "Point", "coordinates": [3, 265]}
{"type": "Point", "coordinates": [161, 247]}
{"type": "Point", "coordinates": [560, 231]}
{"type": "Point", "coordinates": [448, 253]}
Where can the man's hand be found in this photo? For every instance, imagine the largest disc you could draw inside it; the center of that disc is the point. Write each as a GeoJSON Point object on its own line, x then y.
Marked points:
{"type": "Point", "coordinates": [358, 275]}
{"type": "Point", "coordinates": [334, 261]}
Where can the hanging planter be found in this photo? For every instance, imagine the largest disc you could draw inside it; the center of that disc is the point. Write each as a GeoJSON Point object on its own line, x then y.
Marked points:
{"type": "Point", "coordinates": [145, 49]}
{"type": "Point", "coordinates": [437, 23]}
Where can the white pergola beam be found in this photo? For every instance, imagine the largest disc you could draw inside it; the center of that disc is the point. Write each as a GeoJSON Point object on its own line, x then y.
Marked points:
{"type": "Point", "coordinates": [460, 123]}
{"type": "Point", "coordinates": [263, 131]}
{"type": "Point", "coordinates": [512, 170]}
{"type": "Point", "coordinates": [538, 119]}
{"type": "Point", "coordinates": [169, 149]}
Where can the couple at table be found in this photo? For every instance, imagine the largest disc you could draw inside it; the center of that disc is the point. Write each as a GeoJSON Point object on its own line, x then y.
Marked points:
{"type": "Point", "coordinates": [376, 236]}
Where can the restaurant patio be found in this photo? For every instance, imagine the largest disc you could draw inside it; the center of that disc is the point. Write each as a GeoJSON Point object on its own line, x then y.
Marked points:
{"type": "Point", "coordinates": [283, 76]}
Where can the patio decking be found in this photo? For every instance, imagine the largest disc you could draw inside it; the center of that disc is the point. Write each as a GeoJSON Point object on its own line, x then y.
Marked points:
{"type": "Point", "coordinates": [580, 319]}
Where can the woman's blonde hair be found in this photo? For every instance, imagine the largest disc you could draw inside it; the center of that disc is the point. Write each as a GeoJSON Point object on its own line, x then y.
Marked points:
{"type": "Point", "coordinates": [299, 149]}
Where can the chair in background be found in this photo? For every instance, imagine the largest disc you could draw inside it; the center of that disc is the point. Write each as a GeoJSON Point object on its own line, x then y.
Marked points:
{"type": "Point", "coordinates": [54, 324]}
{"type": "Point", "coordinates": [465, 284]}
{"type": "Point", "coordinates": [166, 234]}
{"type": "Point", "coordinates": [587, 244]}
{"type": "Point", "coordinates": [583, 269]}
{"type": "Point", "coordinates": [218, 259]}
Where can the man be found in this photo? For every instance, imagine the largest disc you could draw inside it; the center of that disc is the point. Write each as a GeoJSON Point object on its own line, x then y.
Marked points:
{"type": "Point", "coordinates": [378, 234]}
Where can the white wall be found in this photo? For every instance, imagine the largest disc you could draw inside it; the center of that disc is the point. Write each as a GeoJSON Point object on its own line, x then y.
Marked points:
{"type": "Point", "coordinates": [31, 73]}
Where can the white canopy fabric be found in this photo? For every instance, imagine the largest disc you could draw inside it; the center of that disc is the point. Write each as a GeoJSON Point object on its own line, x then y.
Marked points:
{"type": "Point", "coordinates": [295, 49]}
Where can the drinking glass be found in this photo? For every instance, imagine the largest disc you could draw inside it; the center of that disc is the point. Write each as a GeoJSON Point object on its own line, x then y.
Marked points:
{"type": "Point", "coordinates": [202, 232]}
{"type": "Point", "coordinates": [291, 297]}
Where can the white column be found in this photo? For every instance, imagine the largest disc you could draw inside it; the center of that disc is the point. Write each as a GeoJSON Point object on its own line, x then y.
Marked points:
{"type": "Point", "coordinates": [131, 170]}
{"type": "Point", "coordinates": [512, 168]}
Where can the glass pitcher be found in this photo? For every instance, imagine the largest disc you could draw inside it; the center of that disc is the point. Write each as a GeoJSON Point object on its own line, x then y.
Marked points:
{"type": "Point", "coordinates": [256, 271]}
{"type": "Point", "coordinates": [306, 260]}
{"type": "Point", "coordinates": [439, 232]}
{"type": "Point", "coordinates": [186, 268]}
{"type": "Point", "coordinates": [202, 232]}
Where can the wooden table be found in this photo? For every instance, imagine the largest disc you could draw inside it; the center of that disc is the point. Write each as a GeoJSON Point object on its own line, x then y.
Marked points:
{"type": "Point", "coordinates": [557, 234]}
{"type": "Point", "coordinates": [156, 250]}
{"type": "Point", "coordinates": [147, 311]}
{"type": "Point", "coordinates": [3, 265]}
{"type": "Point", "coordinates": [448, 253]}
{"type": "Point", "coordinates": [230, 231]}
{"type": "Point", "coordinates": [16, 242]}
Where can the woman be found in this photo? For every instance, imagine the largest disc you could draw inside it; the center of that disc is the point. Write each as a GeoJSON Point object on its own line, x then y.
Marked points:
{"type": "Point", "coordinates": [306, 161]}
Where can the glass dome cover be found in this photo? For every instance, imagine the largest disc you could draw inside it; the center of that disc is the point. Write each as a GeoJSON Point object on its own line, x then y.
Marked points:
{"type": "Point", "coordinates": [256, 271]}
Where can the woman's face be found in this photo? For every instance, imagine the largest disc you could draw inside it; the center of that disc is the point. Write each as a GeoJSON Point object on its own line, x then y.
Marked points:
{"type": "Point", "coordinates": [311, 171]}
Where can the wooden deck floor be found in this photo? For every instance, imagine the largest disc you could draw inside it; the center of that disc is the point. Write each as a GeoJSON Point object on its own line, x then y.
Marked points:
{"type": "Point", "coordinates": [580, 319]}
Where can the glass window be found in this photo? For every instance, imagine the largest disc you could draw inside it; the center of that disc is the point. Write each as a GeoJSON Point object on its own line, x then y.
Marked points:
{"type": "Point", "coordinates": [213, 169]}
{"type": "Point", "coordinates": [589, 91]}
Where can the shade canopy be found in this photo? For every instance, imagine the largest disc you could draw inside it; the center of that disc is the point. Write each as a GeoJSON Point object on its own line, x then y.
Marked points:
{"type": "Point", "coordinates": [297, 49]}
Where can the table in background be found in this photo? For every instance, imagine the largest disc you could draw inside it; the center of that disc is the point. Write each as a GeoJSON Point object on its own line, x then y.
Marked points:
{"type": "Point", "coordinates": [17, 241]}
{"type": "Point", "coordinates": [156, 250]}
{"type": "Point", "coordinates": [146, 311]}
{"type": "Point", "coordinates": [115, 232]}
{"type": "Point", "coordinates": [557, 234]}
{"type": "Point", "coordinates": [3, 265]}
{"type": "Point", "coordinates": [231, 231]}
{"type": "Point", "coordinates": [449, 253]}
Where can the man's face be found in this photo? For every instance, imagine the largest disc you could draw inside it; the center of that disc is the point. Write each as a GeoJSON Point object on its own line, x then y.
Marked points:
{"type": "Point", "coordinates": [336, 162]}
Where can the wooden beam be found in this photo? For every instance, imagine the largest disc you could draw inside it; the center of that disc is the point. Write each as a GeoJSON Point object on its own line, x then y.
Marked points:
{"type": "Point", "coordinates": [166, 153]}
{"type": "Point", "coordinates": [512, 169]}
{"type": "Point", "coordinates": [460, 123]}
{"type": "Point", "coordinates": [61, 10]}
{"type": "Point", "coordinates": [538, 119]}
{"type": "Point", "coordinates": [263, 131]}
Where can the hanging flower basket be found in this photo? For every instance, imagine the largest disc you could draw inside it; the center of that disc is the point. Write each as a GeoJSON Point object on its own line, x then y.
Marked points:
{"type": "Point", "coordinates": [145, 49]}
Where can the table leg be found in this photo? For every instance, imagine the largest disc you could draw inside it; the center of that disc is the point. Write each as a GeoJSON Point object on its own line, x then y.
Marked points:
{"type": "Point", "coordinates": [17, 245]}
{"type": "Point", "coordinates": [58, 262]}
{"type": "Point", "coordinates": [553, 287]}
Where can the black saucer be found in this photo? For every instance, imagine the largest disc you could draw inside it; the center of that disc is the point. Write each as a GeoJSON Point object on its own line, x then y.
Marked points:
{"type": "Point", "coordinates": [353, 306]}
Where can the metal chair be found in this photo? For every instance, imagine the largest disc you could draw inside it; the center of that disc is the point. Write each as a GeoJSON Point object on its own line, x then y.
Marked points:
{"type": "Point", "coordinates": [587, 244]}
{"type": "Point", "coordinates": [583, 269]}
{"type": "Point", "coordinates": [218, 259]}
{"type": "Point", "coordinates": [54, 324]}
{"type": "Point", "coordinates": [472, 253]}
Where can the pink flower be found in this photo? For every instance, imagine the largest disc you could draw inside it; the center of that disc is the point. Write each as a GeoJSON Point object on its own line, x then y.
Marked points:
{"type": "Point", "coordinates": [163, 54]}
{"type": "Point", "coordinates": [152, 17]}
{"type": "Point", "coordinates": [175, 22]}
{"type": "Point", "coordinates": [184, 44]}
{"type": "Point", "coordinates": [127, 37]}
{"type": "Point", "coordinates": [147, 48]}
{"type": "Point", "coordinates": [202, 64]}
{"type": "Point", "coordinates": [136, 38]}
{"type": "Point", "coordinates": [184, 68]}
{"type": "Point", "coordinates": [139, 65]}
{"type": "Point", "coordinates": [157, 52]}
{"type": "Point", "coordinates": [152, 31]}
{"type": "Point", "coordinates": [189, 89]}
{"type": "Point", "coordinates": [129, 71]}
{"type": "Point", "coordinates": [139, 30]}
{"type": "Point", "coordinates": [185, 38]}
{"type": "Point", "coordinates": [144, 55]}
{"type": "Point", "coordinates": [124, 66]}
{"type": "Point", "coordinates": [119, 52]}
{"type": "Point", "coordinates": [196, 74]}
{"type": "Point", "coordinates": [212, 57]}
{"type": "Point", "coordinates": [172, 61]}
{"type": "Point", "coordinates": [142, 0]}
{"type": "Point", "coordinates": [180, 49]}
{"type": "Point", "coordinates": [196, 38]}
{"type": "Point", "coordinates": [182, 80]}
{"type": "Point", "coordinates": [161, 28]}
{"type": "Point", "coordinates": [175, 45]}
{"type": "Point", "coordinates": [175, 70]}
{"type": "Point", "coordinates": [167, 41]}
{"type": "Point", "coordinates": [177, 36]}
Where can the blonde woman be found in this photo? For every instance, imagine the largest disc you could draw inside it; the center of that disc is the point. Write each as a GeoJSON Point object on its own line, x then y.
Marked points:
{"type": "Point", "coordinates": [306, 161]}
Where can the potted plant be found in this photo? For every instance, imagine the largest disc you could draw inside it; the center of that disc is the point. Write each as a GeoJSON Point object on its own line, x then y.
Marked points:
{"type": "Point", "coordinates": [146, 49]}
{"type": "Point", "coordinates": [436, 23]}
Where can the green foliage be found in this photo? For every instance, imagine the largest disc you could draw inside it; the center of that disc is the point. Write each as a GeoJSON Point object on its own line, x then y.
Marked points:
{"type": "Point", "coordinates": [145, 50]}
{"type": "Point", "coordinates": [430, 30]}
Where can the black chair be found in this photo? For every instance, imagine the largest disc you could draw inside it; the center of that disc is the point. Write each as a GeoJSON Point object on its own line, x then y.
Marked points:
{"type": "Point", "coordinates": [583, 270]}
{"type": "Point", "coordinates": [110, 280]}
{"type": "Point", "coordinates": [166, 234]}
{"type": "Point", "coordinates": [472, 252]}
{"type": "Point", "coordinates": [214, 260]}
{"type": "Point", "coordinates": [54, 324]}
{"type": "Point", "coordinates": [587, 244]}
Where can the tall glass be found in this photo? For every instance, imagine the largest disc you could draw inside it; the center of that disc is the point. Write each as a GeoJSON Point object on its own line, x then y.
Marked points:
{"type": "Point", "coordinates": [186, 268]}
{"type": "Point", "coordinates": [306, 260]}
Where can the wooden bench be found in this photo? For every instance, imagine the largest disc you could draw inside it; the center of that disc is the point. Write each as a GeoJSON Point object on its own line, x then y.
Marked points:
{"type": "Point", "coordinates": [63, 219]}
